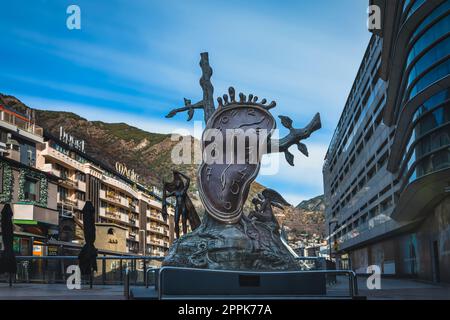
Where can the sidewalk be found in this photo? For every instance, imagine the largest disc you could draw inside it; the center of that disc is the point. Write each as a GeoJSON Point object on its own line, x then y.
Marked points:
{"type": "Point", "coordinates": [398, 289]}
{"type": "Point", "coordinates": [391, 289]}
{"type": "Point", "coordinates": [25, 291]}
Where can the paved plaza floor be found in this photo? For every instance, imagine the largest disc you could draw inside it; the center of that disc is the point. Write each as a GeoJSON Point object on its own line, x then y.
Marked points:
{"type": "Point", "coordinates": [398, 289]}
{"type": "Point", "coordinates": [24, 291]}
{"type": "Point", "coordinates": [391, 289]}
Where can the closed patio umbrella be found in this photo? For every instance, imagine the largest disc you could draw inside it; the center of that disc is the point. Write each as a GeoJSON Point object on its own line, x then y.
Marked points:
{"type": "Point", "coordinates": [88, 255]}
{"type": "Point", "coordinates": [8, 259]}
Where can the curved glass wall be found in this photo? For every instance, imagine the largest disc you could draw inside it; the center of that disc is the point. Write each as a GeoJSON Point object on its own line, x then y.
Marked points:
{"type": "Point", "coordinates": [406, 4]}
{"type": "Point", "coordinates": [434, 33]}
{"type": "Point", "coordinates": [436, 53]}
{"type": "Point", "coordinates": [443, 9]}
{"type": "Point", "coordinates": [428, 57]}
{"type": "Point", "coordinates": [429, 145]}
{"type": "Point", "coordinates": [432, 163]}
{"type": "Point", "coordinates": [435, 74]}
{"type": "Point", "coordinates": [431, 104]}
{"type": "Point", "coordinates": [413, 8]}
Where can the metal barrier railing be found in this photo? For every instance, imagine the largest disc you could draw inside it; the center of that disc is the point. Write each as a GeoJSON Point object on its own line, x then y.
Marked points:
{"type": "Point", "coordinates": [111, 269]}
{"type": "Point", "coordinates": [130, 270]}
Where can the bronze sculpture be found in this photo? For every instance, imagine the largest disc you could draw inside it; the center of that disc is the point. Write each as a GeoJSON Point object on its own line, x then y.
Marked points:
{"type": "Point", "coordinates": [263, 212]}
{"type": "Point", "coordinates": [184, 208]}
{"type": "Point", "coordinates": [227, 238]}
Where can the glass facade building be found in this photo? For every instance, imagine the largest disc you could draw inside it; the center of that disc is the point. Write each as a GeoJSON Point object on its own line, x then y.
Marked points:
{"type": "Point", "coordinates": [401, 219]}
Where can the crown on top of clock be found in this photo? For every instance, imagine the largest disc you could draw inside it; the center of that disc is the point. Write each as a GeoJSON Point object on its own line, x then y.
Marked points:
{"type": "Point", "coordinates": [230, 99]}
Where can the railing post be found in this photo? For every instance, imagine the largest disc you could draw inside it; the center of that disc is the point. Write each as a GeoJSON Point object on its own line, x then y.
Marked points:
{"type": "Point", "coordinates": [145, 272]}
{"type": "Point", "coordinates": [61, 266]}
{"type": "Point", "coordinates": [44, 269]}
{"type": "Point", "coordinates": [355, 282]}
{"type": "Point", "coordinates": [126, 286]}
{"type": "Point", "coordinates": [121, 271]}
{"type": "Point", "coordinates": [103, 271]}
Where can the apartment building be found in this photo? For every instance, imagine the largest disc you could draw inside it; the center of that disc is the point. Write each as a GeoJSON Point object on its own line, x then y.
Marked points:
{"type": "Point", "coordinates": [386, 172]}
{"type": "Point", "coordinates": [118, 200]}
{"type": "Point", "coordinates": [30, 191]}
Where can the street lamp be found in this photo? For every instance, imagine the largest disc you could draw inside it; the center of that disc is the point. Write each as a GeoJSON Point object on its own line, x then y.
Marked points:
{"type": "Point", "coordinates": [332, 221]}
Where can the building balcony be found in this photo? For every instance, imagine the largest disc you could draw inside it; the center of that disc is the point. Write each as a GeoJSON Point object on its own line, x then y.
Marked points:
{"type": "Point", "coordinates": [133, 249]}
{"type": "Point", "coordinates": [113, 214]}
{"type": "Point", "coordinates": [157, 229]}
{"type": "Point", "coordinates": [155, 204]}
{"type": "Point", "coordinates": [116, 199]}
{"type": "Point", "coordinates": [69, 183]}
{"type": "Point", "coordinates": [69, 202]}
{"type": "Point", "coordinates": [15, 122]}
{"type": "Point", "coordinates": [3, 148]}
{"type": "Point", "coordinates": [119, 185]}
{"type": "Point", "coordinates": [34, 214]}
{"type": "Point", "coordinates": [134, 207]}
{"type": "Point", "coordinates": [80, 204]}
{"type": "Point", "coordinates": [157, 242]}
{"type": "Point", "coordinates": [51, 153]}
{"type": "Point", "coordinates": [133, 221]}
{"type": "Point", "coordinates": [158, 217]}
{"type": "Point", "coordinates": [133, 236]}
{"type": "Point", "coordinates": [82, 186]}
{"type": "Point", "coordinates": [155, 253]}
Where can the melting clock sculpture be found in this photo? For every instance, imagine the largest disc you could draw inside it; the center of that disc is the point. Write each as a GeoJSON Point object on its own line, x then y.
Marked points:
{"type": "Point", "coordinates": [227, 238]}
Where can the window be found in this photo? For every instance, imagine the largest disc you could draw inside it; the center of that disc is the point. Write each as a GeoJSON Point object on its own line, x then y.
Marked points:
{"type": "Point", "coordinates": [30, 189]}
{"type": "Point", "coordinates": [81, 195]}
{"type": "Point", "coordinates": [64, 173]}
{"type": "Point", "coordinates": [27, 154]}
{"type": "Point", "coordinates": [80, 176]}
{"type": "Point", "coordinates": [63, 193]}
{"type": "Point", "coordinates": [383, 159]}
{"type": "Point", "coordinates": [371, 172]}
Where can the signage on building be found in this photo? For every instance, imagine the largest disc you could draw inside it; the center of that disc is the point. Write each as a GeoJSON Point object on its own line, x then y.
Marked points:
{"type": "Point", "coordinates": [129, 173]}
{"type": "Point", "coordinates": [52, 251]}
{"type": "Point", "coordinates": [70, 140]}
{"type": "Point", "coordinates": [37, 250]}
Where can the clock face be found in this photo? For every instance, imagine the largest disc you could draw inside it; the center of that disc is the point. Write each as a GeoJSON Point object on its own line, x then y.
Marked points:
{"type": "Point", "coordinates": [233, 143]}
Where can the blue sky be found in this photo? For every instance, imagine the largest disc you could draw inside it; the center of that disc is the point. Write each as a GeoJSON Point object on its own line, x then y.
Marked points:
{"type": "Point", "coordinates": [132, 61]}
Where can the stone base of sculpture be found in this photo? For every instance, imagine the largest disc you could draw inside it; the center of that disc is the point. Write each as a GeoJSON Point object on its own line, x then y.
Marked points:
{"type": "Point", "coordinates": [246, 245]}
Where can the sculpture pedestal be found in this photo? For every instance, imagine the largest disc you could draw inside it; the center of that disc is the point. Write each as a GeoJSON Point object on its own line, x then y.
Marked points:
{"type": "Point", "coordinates": [246, 245]}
